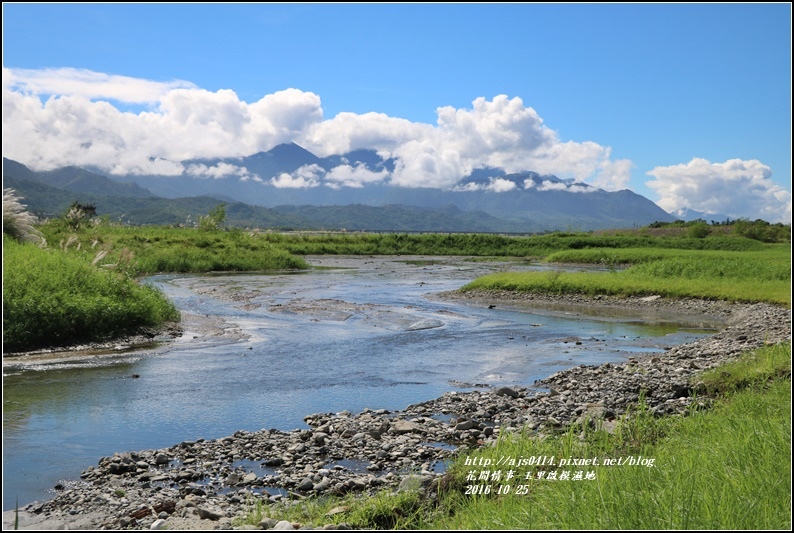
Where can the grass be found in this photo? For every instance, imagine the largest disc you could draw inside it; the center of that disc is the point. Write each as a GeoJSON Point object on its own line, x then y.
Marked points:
{"type": "Point", "coordinates": [763, 276]}
{"type": "Point", "coordinates": [490, 245]}
{"type": "Point", "coordinates": [725, 468]}
{"type": "Point", "coordinates": [754, 370]}
{"type": "Point", "coordinates": [383, 510]}
{"type": "Point", "coordinates": [53, 299]}
{"type": "Point", "coordinates": [83, 288]}
{"type": "Point", "coordinates": [18, 223]}
{"type": "Point", "coordinates": [151, 249]}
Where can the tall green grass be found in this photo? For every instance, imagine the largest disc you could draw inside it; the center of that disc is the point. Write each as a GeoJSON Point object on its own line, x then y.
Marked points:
{"type": "Point", "coordinates": [487, 244]}
{"type": "Point", "coordinates": [735, 276]}
{"type": "Point", "coordinates": [150, 249]}
{"type": "Point", "coordinates": [53, 299]}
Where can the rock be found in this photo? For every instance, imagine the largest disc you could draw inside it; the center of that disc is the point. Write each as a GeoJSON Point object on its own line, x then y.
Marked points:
{"type": "Point", "coordinates": [414, 482]}
{"type": "Point", "coordinates": [209, 513]}
{"type": "Point", "coordinates": [267, 523]}
{"type": "Point", "coordinates": [506, 391]}
{"type": "Point", "coordinates": [305, 485]}
{"type": "Point", "coordinates": [650, 298]}
{"type": "Point", "coordinates": [403, 426]}
{"type": "Point", "coordinates": [465, 425]}
{"type": "Point", "coordinates": [284, 525]}
{"type": "Point", "coordinates": [322, 485]}
{"type": "Point", "coordinates": [157, 524]}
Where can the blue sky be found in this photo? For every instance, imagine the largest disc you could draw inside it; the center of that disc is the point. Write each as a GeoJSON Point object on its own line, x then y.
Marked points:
{"type": "Point", "coordinates": [699, 96]}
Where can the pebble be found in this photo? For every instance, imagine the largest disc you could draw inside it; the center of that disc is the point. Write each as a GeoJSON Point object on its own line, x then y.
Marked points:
{"type": "Point", "coordinates": [396, 449]}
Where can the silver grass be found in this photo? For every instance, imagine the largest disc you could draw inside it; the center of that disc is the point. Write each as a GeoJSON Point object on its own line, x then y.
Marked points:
{"type": "Point", "coordinates": [17, 222]}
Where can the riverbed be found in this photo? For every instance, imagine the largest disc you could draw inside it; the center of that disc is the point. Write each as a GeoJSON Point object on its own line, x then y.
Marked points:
{"type": "Point", "coordinates": [265, 350]}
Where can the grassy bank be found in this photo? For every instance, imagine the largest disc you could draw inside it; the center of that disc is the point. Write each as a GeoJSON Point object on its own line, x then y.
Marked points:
{"type": "Point", "coordinates": [538, 246]}
{"type": "Point", "coordinates": [83, 287]}
{"type": "Point", "coordinates": [725, 468]}
{"type": "Point", "coordinates": [763, 275]}
{"type": "Point", "coordinates": [53, 299]}
{"type": "Point", "coordinates": [151, 249]}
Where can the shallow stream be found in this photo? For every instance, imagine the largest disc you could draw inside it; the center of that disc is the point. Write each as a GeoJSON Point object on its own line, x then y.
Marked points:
{"type": "Point", "coordinates": [264, 351]}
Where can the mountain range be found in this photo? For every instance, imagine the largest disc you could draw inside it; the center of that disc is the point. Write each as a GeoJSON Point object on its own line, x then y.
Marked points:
{"type": "Point", "coordinates": [288, 187]}
{"type": "Point", "coordinates": [688, 215]}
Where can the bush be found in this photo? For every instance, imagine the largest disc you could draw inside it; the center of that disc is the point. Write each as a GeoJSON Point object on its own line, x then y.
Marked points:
{"type": "Point", "coordinates": [53, 299]}
{"type": "Point", "coordinates": [214, 220]}
{"type": "Point", "coordinates": [698, 230]}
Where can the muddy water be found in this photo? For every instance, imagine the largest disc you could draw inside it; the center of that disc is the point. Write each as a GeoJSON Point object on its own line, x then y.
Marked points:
{"type": "Point", "coordinates": [264, 351]}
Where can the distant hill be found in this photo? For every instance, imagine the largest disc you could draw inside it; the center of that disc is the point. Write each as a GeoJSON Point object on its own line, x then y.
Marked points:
{"type": "Point", "coordinates": [538, 201]}
{"type": "Point", "coordinates": [531, 202]}
{"type": "Point", "coordinates": [688, 215]}
{"type": "Point", "coordinates": [79, 180]}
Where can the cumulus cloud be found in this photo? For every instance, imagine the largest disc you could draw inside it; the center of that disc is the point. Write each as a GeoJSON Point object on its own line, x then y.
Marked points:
{"type": "Point", "coordinates": [305, 177]}
{"type": "Point", "coordinates": [493, 185]}
{"type": "Point", "coordinates": [736, 188]}
{"type": "Point", "coordinates": [349, 131]}
{"type": "Point", "coordinates": [220, 171]}
{"type": "Point", "coordinates": [58, 130]}
{"type": "Point", "coordinates": [353, 176]}
{"type": "Point", "coordinates": [552, 186]}
{"type": "Point", "coordinates": [549, 185]}
{"type": "Point", "coordinates": [56, 117]}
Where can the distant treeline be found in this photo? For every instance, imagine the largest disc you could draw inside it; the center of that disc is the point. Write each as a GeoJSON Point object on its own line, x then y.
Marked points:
{"type": "Point", "coordinates": [759, 230]}
{"type": "Point", "coordinates": [492, 245]}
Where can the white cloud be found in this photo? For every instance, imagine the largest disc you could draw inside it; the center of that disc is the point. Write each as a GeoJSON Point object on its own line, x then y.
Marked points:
{"type": "Point", "coordinates": [549, 185]}
{"type": "Point", "coordinates": [552, 186]}
{"type": "Point", "coordinates": [580, 187]}
{"type": "Point", "coordinates": [354, 176]}
{"type": "Point", "coordinates": [736, 188]}
{"type": "Point", "coordinates": [58, 118]}
{"type": "Point", "coordinates": [220, 171]}
{"type": "Point", "coordinates": [500, 185]}
{"type": "Point", "coordinates": [349, 131]}
{"type": "Point", "coordinates": [493, 185]}
{"type": "Point", "coordinates": [305, 177]}
{"type": "Point", "coordinates": [89, 84]}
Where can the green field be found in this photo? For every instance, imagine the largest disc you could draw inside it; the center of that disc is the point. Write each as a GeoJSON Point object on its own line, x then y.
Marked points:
{"type": "Point", "coordinates": [763, 275]}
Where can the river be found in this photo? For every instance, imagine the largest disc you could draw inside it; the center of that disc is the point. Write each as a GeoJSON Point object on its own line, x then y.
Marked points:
{"type": "Point", "coordinates": [263, 351]}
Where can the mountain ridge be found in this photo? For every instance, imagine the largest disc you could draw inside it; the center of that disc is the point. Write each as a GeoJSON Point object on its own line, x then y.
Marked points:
{"type": "Point", "coordinates": [487, 200]}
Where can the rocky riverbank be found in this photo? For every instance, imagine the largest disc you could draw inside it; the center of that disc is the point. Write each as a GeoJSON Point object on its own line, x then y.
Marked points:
{"type": "Point", "coordinates": [206, 484]}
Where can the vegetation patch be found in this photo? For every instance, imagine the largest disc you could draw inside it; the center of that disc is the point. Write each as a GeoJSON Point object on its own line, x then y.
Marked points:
{"type": "Point", "coordinates": [762, 275]}
{"type": "Point", "coordinates": [53, 299]}
{"type": "Point", "coordinates": [708, 470]}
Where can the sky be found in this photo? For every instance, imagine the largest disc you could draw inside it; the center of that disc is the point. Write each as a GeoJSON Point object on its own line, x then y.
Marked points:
{"type": "Point", "coordinates": [688, 105]}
